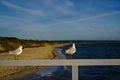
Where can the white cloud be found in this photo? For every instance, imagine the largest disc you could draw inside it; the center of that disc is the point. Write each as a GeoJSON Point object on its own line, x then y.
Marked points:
{"type": "Point", "coordinates": [71, 21]}
{"type": "Point", "coordinates": [12, 18]}
{"type": "Point", "coordinates": [69, 3]}
{"type": "Point", "coordinates": [62, 6]}
{"type": "Point", "coordinates": [16, 7]}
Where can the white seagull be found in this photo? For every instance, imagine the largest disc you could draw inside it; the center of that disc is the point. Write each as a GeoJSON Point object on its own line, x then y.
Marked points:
{"type": "Point", "coordinates": [70, 51]}
{"type": "Point", "coordinates": [16, 52]}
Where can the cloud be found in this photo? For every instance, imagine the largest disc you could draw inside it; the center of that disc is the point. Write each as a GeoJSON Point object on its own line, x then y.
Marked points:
{"type": "Point", "coordinates": [69, 3]}
{"type": "Point", "coordinates": [13, 6]}
{"type": "Point", "coordinates": [12, 17]}
{"type": "Point", "coordinates": [84, 19]}
{"type": "Point", "coordinates": [62, 6]}
{"type": "Point", "coordinates": [14, 21]}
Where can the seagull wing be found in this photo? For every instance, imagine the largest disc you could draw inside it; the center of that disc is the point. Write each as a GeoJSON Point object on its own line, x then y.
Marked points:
{"type": "Point", "coordinates": [16, 51]}
{"type": "Point", "coordinates": [71, 50]}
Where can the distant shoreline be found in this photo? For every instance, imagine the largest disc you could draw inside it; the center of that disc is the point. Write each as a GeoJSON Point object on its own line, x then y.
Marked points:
{"type": "Point", "coordinates": [10, 43]}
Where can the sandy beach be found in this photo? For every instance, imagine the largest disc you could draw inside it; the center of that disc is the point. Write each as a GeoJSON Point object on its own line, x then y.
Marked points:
{"type": "Point", "coordinates": [18, 72]}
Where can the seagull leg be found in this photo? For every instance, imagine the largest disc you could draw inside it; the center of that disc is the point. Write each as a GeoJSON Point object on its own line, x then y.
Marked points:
{"type": "Point", "coordinates": [15, 57]}
{"type": "Point", "coordinates": [70, 56]}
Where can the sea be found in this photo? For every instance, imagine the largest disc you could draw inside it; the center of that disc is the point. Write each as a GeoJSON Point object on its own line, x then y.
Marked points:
{"type": "Point", "coordinates": [91, 51]}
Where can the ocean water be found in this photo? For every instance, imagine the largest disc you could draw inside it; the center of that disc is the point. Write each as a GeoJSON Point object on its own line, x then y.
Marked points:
{"type": "Point", "coordinates": [97, 51]}
{"type": "Point", "coordinates": [92, 51]}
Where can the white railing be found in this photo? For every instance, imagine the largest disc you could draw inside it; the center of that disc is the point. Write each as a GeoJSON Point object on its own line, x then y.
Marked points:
{"type": "Point", "coordinates": [70, 62]}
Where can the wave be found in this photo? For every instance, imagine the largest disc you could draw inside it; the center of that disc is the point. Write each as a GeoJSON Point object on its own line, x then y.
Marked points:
{"type": "Point", "coordinates": [50, 70]}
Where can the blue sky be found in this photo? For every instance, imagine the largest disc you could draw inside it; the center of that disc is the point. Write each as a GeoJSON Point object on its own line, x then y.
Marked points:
{"type": "Point", "coordinates": [60, 19]}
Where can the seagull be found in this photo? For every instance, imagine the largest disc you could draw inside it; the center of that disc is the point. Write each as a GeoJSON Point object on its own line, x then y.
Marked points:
{"type": "Point", "coordinates": [70, 51]}
{"type": "Point", "coordinates": [16, 52]}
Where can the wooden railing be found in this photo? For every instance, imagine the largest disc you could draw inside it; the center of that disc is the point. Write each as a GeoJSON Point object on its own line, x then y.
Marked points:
{"type": "Point", "coordinates": [70, 62]}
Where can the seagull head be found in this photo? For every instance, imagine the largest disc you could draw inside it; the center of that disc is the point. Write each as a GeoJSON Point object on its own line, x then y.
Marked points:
{"type": "Point", "coordinates": [21, 47]}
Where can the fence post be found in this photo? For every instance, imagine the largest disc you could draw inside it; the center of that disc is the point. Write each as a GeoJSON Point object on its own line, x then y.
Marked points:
{"type": "Point", "coordinates": [74, 72]}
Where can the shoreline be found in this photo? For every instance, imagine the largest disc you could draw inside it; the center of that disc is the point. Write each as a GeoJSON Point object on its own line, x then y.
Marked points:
{"type": "Point", "coordinates": [43, 52]}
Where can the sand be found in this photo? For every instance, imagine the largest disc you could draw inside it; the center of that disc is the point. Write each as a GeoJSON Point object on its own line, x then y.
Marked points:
{"type": "Point", "coordinates": [18, 72]}
{"type": "Point", "coordinates": [31, 53]}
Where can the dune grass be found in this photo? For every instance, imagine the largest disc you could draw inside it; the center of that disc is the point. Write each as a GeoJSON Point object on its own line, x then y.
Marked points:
{"type": "Point", "coordinates": [10, 43]}
{"type": "Point", "coordinates": [33, 50]}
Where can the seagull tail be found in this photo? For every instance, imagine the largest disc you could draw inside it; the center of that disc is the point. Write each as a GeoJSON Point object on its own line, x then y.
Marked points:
{"type": "Point", "coordinates": [9, 52]}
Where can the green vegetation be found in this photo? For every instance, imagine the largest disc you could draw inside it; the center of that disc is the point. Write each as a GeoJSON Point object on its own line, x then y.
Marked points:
{"type": "Point", "coordinates": [10, 43]}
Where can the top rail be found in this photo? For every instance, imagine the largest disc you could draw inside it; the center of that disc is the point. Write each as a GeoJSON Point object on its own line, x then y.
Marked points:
{"type": "Point", "coordinates": [69, 62]}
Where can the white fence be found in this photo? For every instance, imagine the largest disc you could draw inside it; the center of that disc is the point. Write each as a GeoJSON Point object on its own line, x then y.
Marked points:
{"type": "Point", "coordinates": [70, 62]}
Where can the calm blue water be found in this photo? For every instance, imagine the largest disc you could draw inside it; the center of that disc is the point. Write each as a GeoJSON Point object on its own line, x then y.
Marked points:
{"type": "Point", "coordinates": [93, 51]}
{"type": "Point", "coordinates": [96, 51]}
